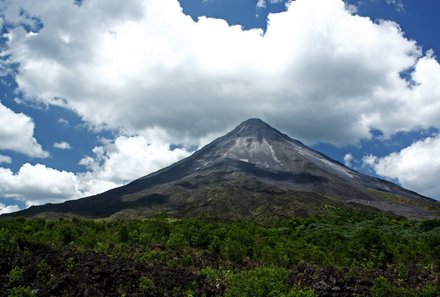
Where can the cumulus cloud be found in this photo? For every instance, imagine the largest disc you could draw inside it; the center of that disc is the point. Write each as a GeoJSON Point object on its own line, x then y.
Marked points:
{"type": "Point", "coordinates": [127, 158]}
{"type": "Point", "coordinates": [369, 160]}
{"type": "Point", "coordinates": [416, 167]}
{"type": "Point", "coordinates": [8, 208]}
{"type": "Point", "coordinates": [348, 158]}
{"type": "Point", "coordinates": [17, 134]}
{"type": "Point", "coordinates": [351, 8]}
{"type": "Point", "coordinates": [145, 64]}
{"type": "Point", "coordinates": [38, 183]}
{"type": "Point", "coordinates": [319, 72]}
{"type": "Point", "coordinates": [261, 4]}
{"type": "Point", "coordinates": [5, 159]}
{"type": "Point", "coordinates": [62, 145]}
{"type": "Point", "coordinates": [63, 122]}
{"type": "Point", "coordinates": [113, 164]}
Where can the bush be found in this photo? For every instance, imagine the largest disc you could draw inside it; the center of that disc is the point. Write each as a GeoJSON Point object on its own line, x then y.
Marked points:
{"type": "Point", "coordinates": [177, 241]}
{"type": "Point", "coordinates": [43, 269]}
{"type": "Point", "coordinates": [22, 292]}
{"type": "Point", "coordinates": [428, 225]}
{"type": "Point", "coordinates": [261, 282]}
{"type": "Point", "coordinates": [7, 244]}
{"type": "Point", "coordinates": [15, 275]}
{"type": "Point", "coordinates": [216, 276]}
{"type": "Point", "coordinates": [123, 234]}
{"type": "Point", "coordinates": [370, 245]}
{"type": "Point", "coordinates": [299, 293]}
{"type": "Point", "coordinates": [381, 288]}
{"type": "Point", "coordinates": [233, 250]}
{"type": "Point", "coordinates": [66, 234]}
{"type": "Point", "coordinates": [433, 244]}
{"type": "Point", "coordinates": [430, 290]}
{"type": "Point", "coordinates": [145, 283]}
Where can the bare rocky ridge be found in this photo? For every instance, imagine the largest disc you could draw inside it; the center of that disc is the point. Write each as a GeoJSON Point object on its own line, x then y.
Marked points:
{"type": "Point", "coordinates": [253, 171]}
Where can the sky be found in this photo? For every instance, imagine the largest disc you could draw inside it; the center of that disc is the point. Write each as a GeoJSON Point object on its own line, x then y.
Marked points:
{"type": "Point", "coordinates": [97, 93]}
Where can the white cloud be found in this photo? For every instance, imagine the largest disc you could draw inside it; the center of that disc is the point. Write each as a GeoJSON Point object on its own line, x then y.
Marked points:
{"type": "Point", "coordinates": [416, 167]}
{"type": "Point", "coordinates": [38, 183]}
{"type": "Point", "coordinates": [127, 158]}
{"type": "Point", "coordinates": [348, 158]}
{"type": "Point", "coordinates": [398, 4]}
{"type": "Point", "coordinates": [145, 64]}
{"type": "Point", "coordinates": [369, 160]}
{"type": "Point", "coordinates": [63, 122]}
{"type": "Point", "coordinates": [261, 4]}
{"type": "Point", "coordinates": [318, 73]}
{"type": "Point", "coordinates": [62, 145]}
{"type": "Point", "coordinates": [17, 134]}
{"type": "Point", "coordinates": [8, 208]}
{"type": "Point", "coordinates": [113, 164]}
{"type": "Point", "coordinates": [5, 159]}
{"type": "Point", "coordinates": [351, 8]}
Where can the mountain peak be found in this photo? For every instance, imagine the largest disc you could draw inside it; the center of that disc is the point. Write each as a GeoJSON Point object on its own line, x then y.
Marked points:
{"type": "Point", "coordinates": [254, 122]}
{"type": "Point", "coordinates": [256, 142]}
{"type": "Point", "coordinates": [257, 129]}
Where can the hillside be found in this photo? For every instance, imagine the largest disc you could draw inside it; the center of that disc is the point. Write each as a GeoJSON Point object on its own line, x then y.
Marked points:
{"type": "Point", "coordinates": [254, 171]}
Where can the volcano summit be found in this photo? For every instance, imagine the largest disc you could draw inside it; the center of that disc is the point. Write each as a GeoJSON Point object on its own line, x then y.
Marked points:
{"type": "Point", "coordinates": [253, 171]}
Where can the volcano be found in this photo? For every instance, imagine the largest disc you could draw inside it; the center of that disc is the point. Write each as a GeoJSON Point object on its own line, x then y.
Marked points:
{"type": "Point", "coordinates": [253, 171]}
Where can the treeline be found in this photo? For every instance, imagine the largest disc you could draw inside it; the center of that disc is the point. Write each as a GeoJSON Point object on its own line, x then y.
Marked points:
{"type": "Point", "coordinates": [339, 253]}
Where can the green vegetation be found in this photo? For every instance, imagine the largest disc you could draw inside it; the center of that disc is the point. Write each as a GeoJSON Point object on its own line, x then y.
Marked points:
{"type": "Point", "coordinates": [145, 283]}
{"type": "Point", "coordinates": [263, 282]}
{"type": "Point", "coordinates": [340, 252]}
{"type": "Point", "coordinates": [395, 198]}
{"type": "Point", "coordinates": [15, 275]}
{"type": "Point", "coordinates": [22, 292]}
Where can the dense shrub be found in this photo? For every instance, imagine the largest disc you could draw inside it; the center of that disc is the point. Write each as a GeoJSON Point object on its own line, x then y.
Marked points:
{"type": "Point", "coordinates": [145, 283]}
{"type": "Point", "coordinates": [225, 254]}
{"type": "Point", "coordinates": [369, 244]}
{"type": "Point", "coordinates": [16, 275]}
{"type": "Point", "coordinates": [22, 292]}
{"type": "Point", "coordinates": [233, 250]}
{"type": "Point", "coordinates": [261, 282]}
{"type": "Point", "coordinates": [7, 244]}
{"type": "Point", "coordinates": [177, 241]}
{"type": "Point", "coordinates": [66, 234]}
{"type": "Point", "coordinates": [123, 234]}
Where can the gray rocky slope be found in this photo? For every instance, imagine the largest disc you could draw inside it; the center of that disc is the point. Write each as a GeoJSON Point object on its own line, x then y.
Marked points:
{"type": "Point", "coordinates": [254, 170]}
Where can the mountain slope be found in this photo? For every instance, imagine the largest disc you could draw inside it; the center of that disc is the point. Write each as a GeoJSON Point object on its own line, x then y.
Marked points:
{"type": "Point", "coordinates": [254, 170]}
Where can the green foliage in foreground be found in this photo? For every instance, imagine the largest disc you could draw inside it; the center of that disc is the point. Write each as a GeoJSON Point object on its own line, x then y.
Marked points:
{"type": "Point", "coordinates": [249, 258]}
{"type": "Point", "coordinates": [383, 288]}
{"type": "Point", "coordinates": [21, 292]}
{"type": "Point", "coordinates": [263, 282]}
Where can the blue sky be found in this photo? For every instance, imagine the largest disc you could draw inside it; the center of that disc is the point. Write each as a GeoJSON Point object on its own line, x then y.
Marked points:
{"type": "Point", "coordinates": [94, 94]}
